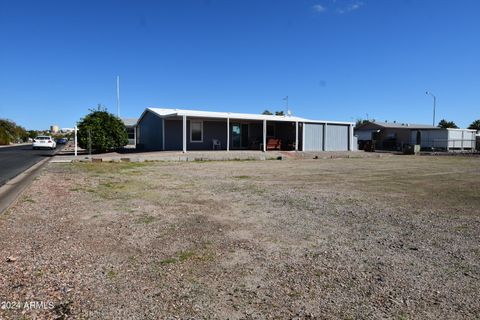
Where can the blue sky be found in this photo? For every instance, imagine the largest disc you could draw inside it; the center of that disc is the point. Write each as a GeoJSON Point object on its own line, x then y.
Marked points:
{"type": "Point", "coordinates": [336, 60]}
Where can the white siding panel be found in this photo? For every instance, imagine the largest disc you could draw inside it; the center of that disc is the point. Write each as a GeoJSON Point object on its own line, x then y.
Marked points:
{"type": "Point", "coordinates": [337, 137]}
{"type": "Point", "coordinates": [313, 137]}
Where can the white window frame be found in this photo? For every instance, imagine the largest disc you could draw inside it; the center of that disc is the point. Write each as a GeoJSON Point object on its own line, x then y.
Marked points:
{"type": "Point", "coordinates": [201, 131]}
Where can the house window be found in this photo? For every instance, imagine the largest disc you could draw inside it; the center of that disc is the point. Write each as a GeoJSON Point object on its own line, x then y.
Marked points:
{"type": "Point", "coordinates": [196, 131]}
{"type": "Point", "coordinates": [131, 132]}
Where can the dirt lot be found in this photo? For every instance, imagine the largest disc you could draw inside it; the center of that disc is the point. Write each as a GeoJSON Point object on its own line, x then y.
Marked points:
{"type": "Point", "coordinates": [396, 237]}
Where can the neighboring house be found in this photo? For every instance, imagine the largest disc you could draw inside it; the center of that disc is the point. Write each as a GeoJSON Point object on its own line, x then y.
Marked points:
{"type": "Point", "coordinates": [178, 129]}
{"type": "Point", "coordinates": [130, 126]}
{"type": "Point", "coordinates": [395, 136]}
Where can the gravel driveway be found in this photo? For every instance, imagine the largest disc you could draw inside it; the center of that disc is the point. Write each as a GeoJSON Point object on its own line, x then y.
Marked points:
{"type": "Point", "coordinates": [394, 237]}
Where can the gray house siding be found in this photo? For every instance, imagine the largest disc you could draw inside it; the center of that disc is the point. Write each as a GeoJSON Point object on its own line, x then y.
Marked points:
{"type": "Point", "coordinates": [337, 137]}
{"type": "Point", "coordinates": [150, 132]}
{"type": "Point", "coordinates": [313, 136]}
{"type": "Point", "coordinates": [211, 130]}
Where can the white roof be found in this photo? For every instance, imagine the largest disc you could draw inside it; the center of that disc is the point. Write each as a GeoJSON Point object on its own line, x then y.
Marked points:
{"type": "Point", "coordinates": [162, 112]}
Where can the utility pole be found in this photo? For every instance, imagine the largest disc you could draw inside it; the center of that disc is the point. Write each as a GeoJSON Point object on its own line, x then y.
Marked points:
{"type": "Point", "coordinates": [428, 93]}
{"type": "Point", "coordinates": [118, 96]}
{"type": "Point", "coordinates": [76, 148]}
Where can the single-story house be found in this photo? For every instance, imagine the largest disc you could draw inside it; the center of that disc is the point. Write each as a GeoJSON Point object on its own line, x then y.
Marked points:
{"type": "Point", "coordinates": [395, 136]}
{"type": "Point", "coordinates": [183, 130]}
{"type": "Point", "coordinates": [130, 125]}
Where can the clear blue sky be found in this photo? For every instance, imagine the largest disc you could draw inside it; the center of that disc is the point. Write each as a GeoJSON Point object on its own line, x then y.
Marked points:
{"type": "Point", "coordinates": [336, 60]}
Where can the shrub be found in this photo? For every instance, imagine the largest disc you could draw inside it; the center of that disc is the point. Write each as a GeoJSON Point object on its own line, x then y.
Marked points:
{"type": "Point", "coordinates": [104, 130]}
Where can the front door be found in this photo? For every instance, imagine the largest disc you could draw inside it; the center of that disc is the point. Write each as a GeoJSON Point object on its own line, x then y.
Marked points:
{"type": "Point", "coordinates": [236, 135]}
{"type": "Point", "coordinates": [239, 136]}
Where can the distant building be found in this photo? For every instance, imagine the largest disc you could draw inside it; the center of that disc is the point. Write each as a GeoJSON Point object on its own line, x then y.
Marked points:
{"type": "Point", "coordinates": [395, 136]}
{"type": "Point", "coordinates": [130, 126]}
{"type": "Point", "coordinates": [54, 128]}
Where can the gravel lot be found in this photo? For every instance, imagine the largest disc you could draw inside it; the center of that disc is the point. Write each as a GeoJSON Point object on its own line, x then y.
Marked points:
{"type": "Point", "coordinates": [395, 237]}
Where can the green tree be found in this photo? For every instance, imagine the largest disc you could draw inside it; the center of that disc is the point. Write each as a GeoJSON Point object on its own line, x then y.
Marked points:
{"type": "Point", "coordinates": [279, 113]}
{"type": "Point", "coordinates": [103, 130]}
{"type": "Point", "coordinates": [11, 132]}
{"type": "Point", "coordinates": [475, 125]}
{"type": "Point", "coordinates": [444, 124]}
{"type": "Point", "coordinates": [268, 113]}
{"type": "Point", "coordinates": [32, 133]}
{"type": "Point", "coordinates": [361, 122]}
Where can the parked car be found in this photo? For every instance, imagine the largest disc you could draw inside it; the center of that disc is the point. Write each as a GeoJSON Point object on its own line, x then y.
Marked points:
{"type": "Point", "coordinates": [44, 142]}
{"type": "Point", "coordinates": [62, 141]}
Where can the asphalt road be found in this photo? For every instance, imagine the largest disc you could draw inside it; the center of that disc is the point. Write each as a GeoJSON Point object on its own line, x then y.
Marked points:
{"type": "Point", "coordinates": [15, 160]}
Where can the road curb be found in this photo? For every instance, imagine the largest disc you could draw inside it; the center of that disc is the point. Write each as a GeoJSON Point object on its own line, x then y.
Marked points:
{"type": "Point", "coordinates": [14, 188]}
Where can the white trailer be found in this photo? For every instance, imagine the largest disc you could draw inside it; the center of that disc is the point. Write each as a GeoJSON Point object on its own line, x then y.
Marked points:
{"type": "Point", "coordinates": [444, 139]}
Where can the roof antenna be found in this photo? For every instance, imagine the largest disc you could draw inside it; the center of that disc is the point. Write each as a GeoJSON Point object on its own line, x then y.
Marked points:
{"type": "Point", "coordinates": [289, 113]}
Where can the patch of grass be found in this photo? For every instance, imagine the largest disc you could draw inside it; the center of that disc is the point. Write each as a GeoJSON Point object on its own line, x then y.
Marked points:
{"type": "Point", "coordinates": [28, 199]}
{"type": "Point", "coordinates": [242, 177]}
{"type": "Point", "coordinates": [75, 189]}
{"type": "Point", "coordinates": [146, 219]}
{"type": "Point", "coordinates": [111, 275]}
{"type": "Point", "coordinates": [463, 227]}
{"type": "Point", "coordinates": [185, 255]}
{"type": "Point", "coordinates": [168, 261]}
{"type": "Point", "coordinates": [38, 273]}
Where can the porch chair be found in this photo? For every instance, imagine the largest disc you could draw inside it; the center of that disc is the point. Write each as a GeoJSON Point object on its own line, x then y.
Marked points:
{"type": "Point", "coordinates": [274, 144]}
{"type": "Point", "coordinates": [216, 143]}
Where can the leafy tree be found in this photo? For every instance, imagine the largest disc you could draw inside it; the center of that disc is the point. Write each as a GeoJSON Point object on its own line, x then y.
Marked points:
{"type": "Point", "coordinates": [268, 113]}
{"type": "Point", "coordinates": [361, 122]}
{"type": "Point", "coordinates": [444, 124]}
{"type": "Point", "coordinates": [32, 133]}
{"type": "Point", "coordinates": [11, 132]}
{"type": "Point", "coordinates": [279, 113]}
{"type": "Point", "coordinates": [104, 130]}
{"type": "Point", "coordinates": [475, 125]}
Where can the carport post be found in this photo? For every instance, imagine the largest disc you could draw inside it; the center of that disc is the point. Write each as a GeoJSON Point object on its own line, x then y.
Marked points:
{"type": "Point", "coordinates": [184, 133]}
{"type": "Point", "coordinates": [296, 136]}
{"type": "Point", "coordinates": [228, 133]}
{"type": "Point", "coordinates": [264, 135]}
{"type": "Point", "coordinates": [303, 136]}
{"type": "Point", "coordinates": [76, 141]}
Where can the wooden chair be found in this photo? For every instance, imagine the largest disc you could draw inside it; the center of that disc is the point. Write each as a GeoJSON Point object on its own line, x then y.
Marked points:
{"type": "Point", "coordinates": [274, 144]}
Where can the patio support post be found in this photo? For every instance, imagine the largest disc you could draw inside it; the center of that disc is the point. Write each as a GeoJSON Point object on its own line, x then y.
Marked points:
{"type": "Point", "coordinates": [228, 133]}
{"type": "Point", "coordinates": [296, 136]}
{"type": "Point", "coordinates": [303, 136]}
{"type": "Point", "coordinates": [264, 135]}
{"type": "Point", "coordinates": [184, 133]}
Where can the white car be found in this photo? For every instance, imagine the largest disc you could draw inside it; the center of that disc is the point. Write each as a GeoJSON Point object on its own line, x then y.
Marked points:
{"type": "Point", "coordinates": [44, 142]}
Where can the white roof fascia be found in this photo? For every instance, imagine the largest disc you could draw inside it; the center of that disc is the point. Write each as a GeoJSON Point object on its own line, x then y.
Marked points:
{"type": "Point", "coordinates": [239, 116]}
